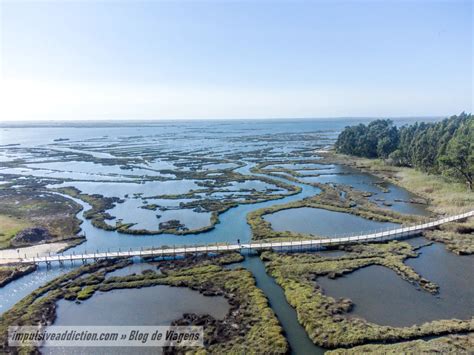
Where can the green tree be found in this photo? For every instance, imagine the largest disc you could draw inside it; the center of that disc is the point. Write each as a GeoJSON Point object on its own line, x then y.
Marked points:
{"type": "Point", "coordinates": [378, 139]}
{"type": "Point", "coordinates": [444, 147]}
{"type": "Point", "coordinates": [458, 159]}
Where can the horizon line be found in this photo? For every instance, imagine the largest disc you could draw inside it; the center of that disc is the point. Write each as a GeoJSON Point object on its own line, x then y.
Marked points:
{"type": "Point", "coordinates": [131, 120]}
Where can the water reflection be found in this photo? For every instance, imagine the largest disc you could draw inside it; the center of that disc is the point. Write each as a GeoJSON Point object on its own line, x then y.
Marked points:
{"type": "Point", "coordinates": [403, 304]}
{"type": "Point", "coordinates": [322, 222]}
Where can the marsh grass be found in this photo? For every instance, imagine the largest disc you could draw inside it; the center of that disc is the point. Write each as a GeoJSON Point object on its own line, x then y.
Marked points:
{"type": "Point", "coordinates": [451, 344]}
{"type": "Point", "coordinates": [9, 227]}
{"type": "Point", "coordinates": [249, 327]}
{"type": "Point", "coordinates": [25, 208]}
{"type": "Point", "coordinates": [355, 203]}
{"type": "Point", "coordinates": [325, 318]}
{"type": "Point", "coordinates": [446, 196]}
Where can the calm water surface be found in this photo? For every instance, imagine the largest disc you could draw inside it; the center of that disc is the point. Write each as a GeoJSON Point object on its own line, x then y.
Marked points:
{"type": "Point", "coordinates": [322, 222]}
{"type": "Point", "coordinates": [296, 335]}
{"type": "Point", "coordinates": [403, 304]}
{"type": "Point", "coordinates": [157, 305]}
{"type": "Point", "coordinates": [110, 142]}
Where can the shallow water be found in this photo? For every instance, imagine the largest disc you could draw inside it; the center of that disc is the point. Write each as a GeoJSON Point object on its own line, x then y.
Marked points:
{"type": "Point", "coordinates": [120, 189]}
{"type": "Point", "coordinates": [397, 197]}
{"type": "Point", "coordinates": [156, 305]}
{"type": "Point", "coordinates": [157, 145]}
{"type": "Point", "coordinates": [322, 222]}
{"type": "Point", "coordinates": [295, 333]}
{"type": "Point", "coordinates": [131, 211]}
{"type": "Point", "coordinates": [135, 268]}
{"type": "Point", "coordinates": [94, 168]}
{"type": "Point", "coordinates": [232, 226]}
{"type": "Point", "coordinates": [61, 174]}
{"type": "Point", "coordinates": [403, 304]}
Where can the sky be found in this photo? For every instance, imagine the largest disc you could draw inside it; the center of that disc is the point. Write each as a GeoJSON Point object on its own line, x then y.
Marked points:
{"type": "Point", "coordinates": [74, 60]}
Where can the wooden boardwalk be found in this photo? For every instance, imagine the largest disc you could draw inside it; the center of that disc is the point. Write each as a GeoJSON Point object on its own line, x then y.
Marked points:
{"type": "Point", "coordinates": [221, 248]}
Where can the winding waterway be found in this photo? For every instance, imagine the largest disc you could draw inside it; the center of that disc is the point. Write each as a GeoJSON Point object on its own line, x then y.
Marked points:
{"type": "Point", "coordinates": [296, 335]}
{"type": "Point", "coordinates": [403, 303]}
{"type": "Point", "coordinates": [233, 225]}
{"type": "Point", "coordinates": [318, 221]}
{"type": "Point", "coordinates": [372, 283]}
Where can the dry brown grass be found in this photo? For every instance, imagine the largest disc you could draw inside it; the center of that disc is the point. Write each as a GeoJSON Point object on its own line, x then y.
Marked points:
{"type": "Point", "coordinates": [9, 226]}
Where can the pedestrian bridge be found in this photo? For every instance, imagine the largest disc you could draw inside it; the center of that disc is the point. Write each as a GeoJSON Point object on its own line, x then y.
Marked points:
{"type": "Point", "coordinates": [305, 244]}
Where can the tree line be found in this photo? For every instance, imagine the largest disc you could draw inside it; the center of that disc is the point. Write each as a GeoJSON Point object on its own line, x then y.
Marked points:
{"type": "Point", "coordinates": [445, 147]}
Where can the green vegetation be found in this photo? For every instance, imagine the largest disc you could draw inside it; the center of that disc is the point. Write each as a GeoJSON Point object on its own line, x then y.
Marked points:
{"type": "Point", "coordinates": [458, 157]}
{"type": "Point", "coordinates": [86, 293]}
{"type": "Point", "coordinates": [9, 227]}
{"type": "Point", "coordinates": [458, 237]}
{"type": "Point", "coordinates": [445, 147]}
{"type": "Point", "coordinates": [271, 168]}
{"type": "Point", "coordinates": [355, 203]}
{"type": "Point", "coordinates": [99, 204]}
{"type": "Point", "coordinates": [325, 318]}
{"type": "Point", "coordinates": [29, 217]}
{"type": "Point", "coordinates": [378, 139]}
{"type": "Point", "coordinates": [39, 306]}
{"type": "Point", "coordinates": [444, 196]}
{"type": "Point", "coordinates": [451, 344]}
{"type": "Point", "coordinates": [249, 327]}
{"type": "Point", "coordinates": [13, 272]}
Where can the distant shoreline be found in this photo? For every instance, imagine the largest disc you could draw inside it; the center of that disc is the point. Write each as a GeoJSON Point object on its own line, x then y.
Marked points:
{"type": "Point", "coordinates": [152, 122]}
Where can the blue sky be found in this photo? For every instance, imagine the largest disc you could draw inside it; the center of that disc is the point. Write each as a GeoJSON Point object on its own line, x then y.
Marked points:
{"type": "Point", "coordinates": [235, 59]}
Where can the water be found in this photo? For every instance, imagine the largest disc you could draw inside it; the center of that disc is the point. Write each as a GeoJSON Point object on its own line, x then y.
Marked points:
{"type": "Point", "coordinates": [131, 212]}
{"type": "Point", "coordinates": [396, 196]}
{"type": "Point", "coordinates": [120, 189]}
{"type": "Point", "coordinates": [156, 305]}
{"type": "Point", "coordinates": [135, 268]}
{"type": "Point", "coordinates": [95, 152]}
{"type": "Point", "coordinates": [296, 335]}
{"type": "Point", "coordinates": [403, 304]}
{"type": "Point", "coordinates": [232, 226]}
{"type": "Point", "coordinates": [322, 222]}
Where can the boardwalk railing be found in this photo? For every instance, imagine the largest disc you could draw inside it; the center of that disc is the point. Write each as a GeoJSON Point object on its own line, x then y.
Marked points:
{"type": "Point", "coordinates": [290, 245]}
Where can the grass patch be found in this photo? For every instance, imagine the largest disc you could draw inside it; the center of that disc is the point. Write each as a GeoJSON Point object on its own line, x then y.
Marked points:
{"type": "Point", "coordinates": [13, 272]}
{"type": "Point", "coordinates": [249, 327]}
{"type": "Point", "coordinates": [446, 196]}
{"type": "Point", "coordinates": [355, 203]}
{"type": "Point", "coordinates": [9, 227]}
{"type": "Point", "coordinates": [451, 344]}
{"type": "Point", "coordinates": [325, 318]}
{"type": "Point", "coordinates": [31, 208]}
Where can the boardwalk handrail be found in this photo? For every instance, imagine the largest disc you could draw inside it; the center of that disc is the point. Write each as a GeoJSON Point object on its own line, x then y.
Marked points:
{"type": "Point", "coordinates": [219, 248]}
